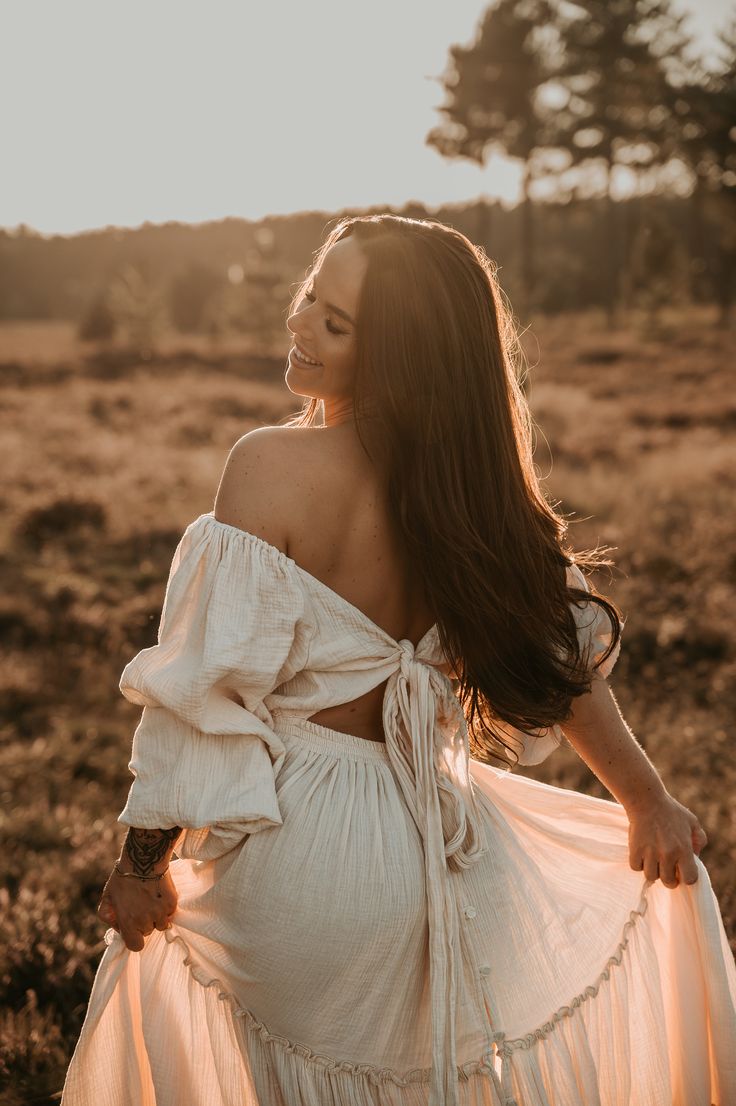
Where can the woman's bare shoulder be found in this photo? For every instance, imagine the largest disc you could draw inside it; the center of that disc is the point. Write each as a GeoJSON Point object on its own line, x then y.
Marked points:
{"type": "Point", "coordinates": [285, 449]}
{"type": "Point", "coordinates": [256, 488]}
{"type": "Point", "coordinates": [283, 483]}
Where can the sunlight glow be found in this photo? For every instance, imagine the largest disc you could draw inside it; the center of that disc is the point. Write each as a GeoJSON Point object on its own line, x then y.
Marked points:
{"type": "Point", "coordinates": [191, 112]}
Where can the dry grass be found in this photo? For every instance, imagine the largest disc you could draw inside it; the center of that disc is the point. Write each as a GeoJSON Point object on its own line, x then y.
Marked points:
{"type": "Point", "coordinates": [54, 341]}
{"type": "Point", "coordinates": [106, 461]}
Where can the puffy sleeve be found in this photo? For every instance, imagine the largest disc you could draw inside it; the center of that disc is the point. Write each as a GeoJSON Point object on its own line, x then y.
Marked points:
{"type": "Point", "coordinates": [594, 635]}
{"type": "Point", "coordinates": [593, 625]}
{"type": "Point", "coordinates": [205, 756]}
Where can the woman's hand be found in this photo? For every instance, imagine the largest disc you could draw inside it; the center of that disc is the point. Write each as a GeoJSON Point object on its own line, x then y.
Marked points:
{"type": "Point", "coordinates": [136, 907]}
{"type": "Point", "coordinates": [664, 838]}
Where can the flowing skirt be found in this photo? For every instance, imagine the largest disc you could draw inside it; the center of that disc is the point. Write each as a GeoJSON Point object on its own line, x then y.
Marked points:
{"type": "Point", "coordinates": [295, 972]}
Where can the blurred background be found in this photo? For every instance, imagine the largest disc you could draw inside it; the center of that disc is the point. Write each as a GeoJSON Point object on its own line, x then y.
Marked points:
{"type": "Point", "coordinates": [167, 173]}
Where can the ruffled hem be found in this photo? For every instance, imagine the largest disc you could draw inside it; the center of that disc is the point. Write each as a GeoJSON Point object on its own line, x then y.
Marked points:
{"type": "Point", "coordinates": [280, 1049]}
{"type": "Point", "coordinates": [511, 1071]}
{"type": "Point", "coordinates": [160, 1022]}
{"type": "Point", "coordinates": [506, 1047]}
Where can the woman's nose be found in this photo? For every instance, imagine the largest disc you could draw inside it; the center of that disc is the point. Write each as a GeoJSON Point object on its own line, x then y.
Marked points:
{"type": "Point", "coordinates": [294, 323]}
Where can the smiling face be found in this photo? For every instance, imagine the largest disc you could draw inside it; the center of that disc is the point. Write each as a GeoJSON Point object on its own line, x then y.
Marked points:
{"type": "Point", "coordinates": [324, 326]}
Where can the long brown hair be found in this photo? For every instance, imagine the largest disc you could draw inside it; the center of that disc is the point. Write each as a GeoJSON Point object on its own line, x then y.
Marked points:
{"type": "Point", "coordinates": [438, 370]}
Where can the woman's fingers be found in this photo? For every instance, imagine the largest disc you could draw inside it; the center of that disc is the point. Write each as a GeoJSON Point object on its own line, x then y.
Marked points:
{"type": "Point", "coordinates": [132, 931]}
{"type": "Point", "coordinates": [664, 842]}
{"type": "Point", "coordinates": [106, 912]}
{"type": "Point", "coordinates": [688, 870]}
{"type": "Point", "coordinates": [133, 938]}
{"type": "Point", "coordinates": [700, 839]}
{"type": "Point", "coordinates": [668, 869]}
{"type": "Point", "coordinates": [651, 865]}
{"type": "Point", "coordinates": [672, 870]}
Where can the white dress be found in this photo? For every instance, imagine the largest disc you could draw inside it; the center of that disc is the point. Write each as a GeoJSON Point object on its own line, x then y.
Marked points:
{"type": "Point", "coordinates": [369, 924]}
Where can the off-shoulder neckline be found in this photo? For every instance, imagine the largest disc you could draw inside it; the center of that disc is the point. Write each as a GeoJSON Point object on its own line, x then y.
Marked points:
{"type": "Point", "coordinates": [285, 559]}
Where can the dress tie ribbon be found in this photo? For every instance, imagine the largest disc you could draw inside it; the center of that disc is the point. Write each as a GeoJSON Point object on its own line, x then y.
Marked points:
{"type": "Point", "coordinates": [427, 742]}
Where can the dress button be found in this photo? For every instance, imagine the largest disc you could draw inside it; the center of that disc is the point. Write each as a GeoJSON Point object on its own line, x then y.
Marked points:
{"type": "Point", "coordinates": [470, 912]}
{"type": "Point", "coordinates": [484, 970]}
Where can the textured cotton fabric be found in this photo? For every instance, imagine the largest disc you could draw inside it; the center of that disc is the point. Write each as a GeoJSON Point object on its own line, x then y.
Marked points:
{"type": "Point", "coordinates": [368, 924]}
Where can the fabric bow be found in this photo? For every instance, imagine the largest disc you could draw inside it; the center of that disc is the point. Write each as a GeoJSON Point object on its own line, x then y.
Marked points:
{"type": "Point", "coordinates": [427, 742]}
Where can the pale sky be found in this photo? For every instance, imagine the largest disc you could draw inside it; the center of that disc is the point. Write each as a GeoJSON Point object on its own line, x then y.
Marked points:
{"type": "Point", "coordinates": [175, 110]}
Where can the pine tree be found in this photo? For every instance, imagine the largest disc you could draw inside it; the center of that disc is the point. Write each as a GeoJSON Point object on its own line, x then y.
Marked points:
{"type": "Point", "coordinates": [704, 105]}
{"type": "Point", "coordinates": [189, 294]}
{"type": "Point", "coordinates": [98, 323]}
{"type": "Point", "coordinates": [492, 100]}
{"type": "Point", "coordinates": [616, 54]}
{"type": "Point", "coordinates": [139, 308]}
{"type": "Point", "coordinates": [657, 268]}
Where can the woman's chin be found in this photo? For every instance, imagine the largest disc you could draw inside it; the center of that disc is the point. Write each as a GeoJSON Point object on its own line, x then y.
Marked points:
{"type": "Point", "coordinates": [299, 387]}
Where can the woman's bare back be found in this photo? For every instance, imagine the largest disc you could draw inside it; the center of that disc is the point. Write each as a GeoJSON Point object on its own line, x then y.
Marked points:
{"type": "Point", "coordinates": [339, 530]}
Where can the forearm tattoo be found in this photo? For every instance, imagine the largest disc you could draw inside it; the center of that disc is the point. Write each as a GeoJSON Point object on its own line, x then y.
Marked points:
{"type": "Point", "coordinates": [146, 847]}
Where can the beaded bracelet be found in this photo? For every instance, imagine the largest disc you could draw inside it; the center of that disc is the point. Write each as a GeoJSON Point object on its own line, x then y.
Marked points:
{"type": "Point", "coordinates": [133, 874]}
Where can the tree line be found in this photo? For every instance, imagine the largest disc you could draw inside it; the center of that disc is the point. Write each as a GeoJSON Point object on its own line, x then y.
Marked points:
{"type": "Point", "coordinates": [570, 86]}
{"type": "Point", "coordinates": [238, 276]}
{"type": "Point", "coordinates": [567, 87]}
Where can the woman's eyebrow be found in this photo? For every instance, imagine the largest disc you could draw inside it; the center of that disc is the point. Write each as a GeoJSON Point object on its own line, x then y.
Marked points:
{"type": "Point", "coordinates": [337, 310]}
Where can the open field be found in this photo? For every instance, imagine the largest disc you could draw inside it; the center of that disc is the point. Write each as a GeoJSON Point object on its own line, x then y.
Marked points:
{"type": "Point", "coordinates": [107, 457]}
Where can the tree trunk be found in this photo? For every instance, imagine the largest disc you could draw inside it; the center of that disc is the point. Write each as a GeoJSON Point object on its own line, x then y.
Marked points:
{"type": "Point", "coordinates": [527, 241]}
{"type": "Point", "coordinates": [724, 286]}
{"type": "Point", "coordinates": [611, 261]}
{"type": "Point", "coordinates": [696, 240]}
{"type": "Point", "coordinates": [484, 225]}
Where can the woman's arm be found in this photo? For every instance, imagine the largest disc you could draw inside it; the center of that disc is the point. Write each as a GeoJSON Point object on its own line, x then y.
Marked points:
{"type": "Point", "coordinates": [663, 834]}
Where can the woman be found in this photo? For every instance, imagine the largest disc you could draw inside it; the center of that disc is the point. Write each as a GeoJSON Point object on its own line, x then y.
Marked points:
{"type": "Point", "coordinates": [365, 907]}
